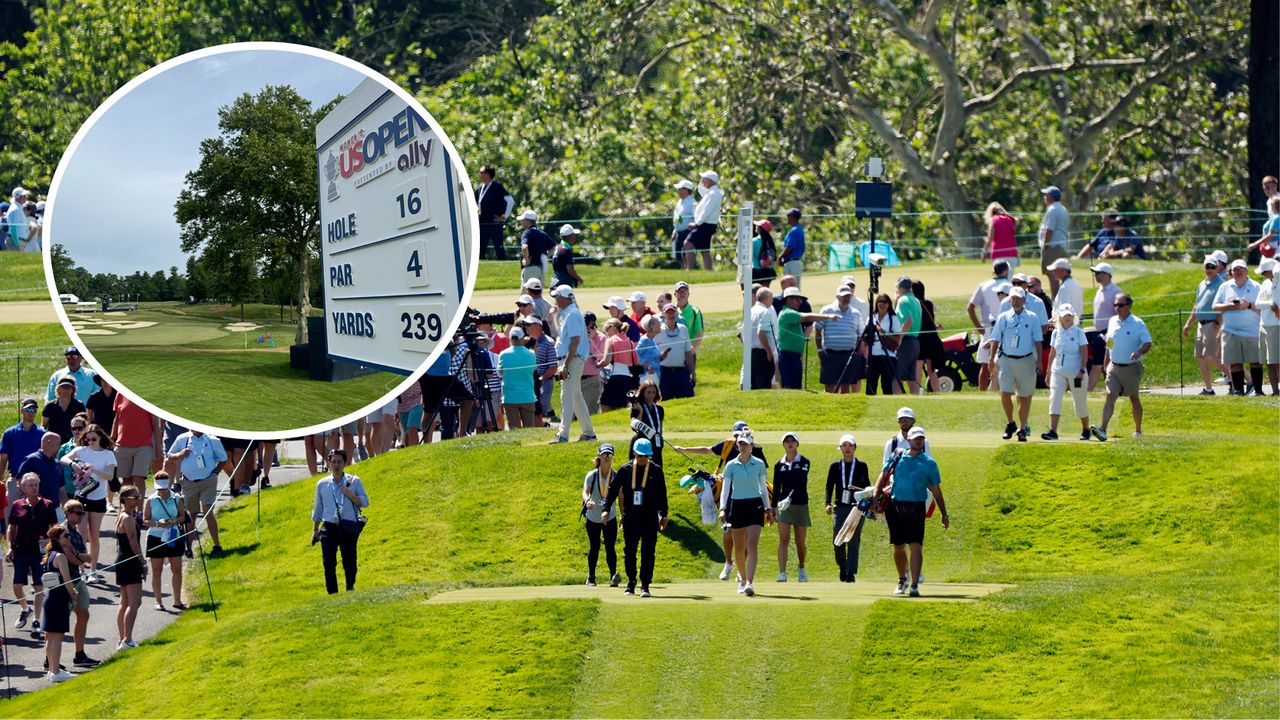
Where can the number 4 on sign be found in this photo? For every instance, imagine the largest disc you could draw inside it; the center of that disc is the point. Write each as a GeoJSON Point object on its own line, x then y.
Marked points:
{"type": "Point", "coordinates": [417, 274]}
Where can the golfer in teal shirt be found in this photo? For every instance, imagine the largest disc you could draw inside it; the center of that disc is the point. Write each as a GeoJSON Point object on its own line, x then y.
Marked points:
{"type": "Point", "coordinates": [915, 475]}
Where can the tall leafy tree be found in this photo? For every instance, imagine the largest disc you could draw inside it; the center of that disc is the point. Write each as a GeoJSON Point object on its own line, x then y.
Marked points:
{"type": "Point", "coordinates": [251, 203]}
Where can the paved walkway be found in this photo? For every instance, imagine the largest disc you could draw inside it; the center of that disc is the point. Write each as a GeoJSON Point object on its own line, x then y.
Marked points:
{"type": "Point", "coordinates": [829, 593]}
{"type": "Point", "coordinates": [24, 655]}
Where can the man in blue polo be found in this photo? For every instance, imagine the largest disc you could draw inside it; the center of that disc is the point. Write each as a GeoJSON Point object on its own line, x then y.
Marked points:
{"type": "Point", "coordinates": [1209, 324]}
{"type": "Point", "coordinates": [1015, 349]}
{"type": "Point", "coordinates": [44, 464]}
{"type": "Point", "coordinates": [76, 370]}
{"type": "Point", "coordinates": [17, 443]}
{"type": "Point", "coordinates": [572, 347]}
{"type": "Point", "coordinates": [1128, 342]}
{"type": "Point", "coordinates": [792, 256]}
{"type": "Point", "coordinates": [200, 456]}
{"type": "Point", "coordinates": [915, 476]}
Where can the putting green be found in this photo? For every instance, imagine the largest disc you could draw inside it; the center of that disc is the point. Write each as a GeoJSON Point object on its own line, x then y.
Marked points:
{"type": "Point", "coordinates": [818, 593]}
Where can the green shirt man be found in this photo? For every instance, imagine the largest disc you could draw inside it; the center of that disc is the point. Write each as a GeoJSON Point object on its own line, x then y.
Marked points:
{"type": "Point", "coordinates": [909, 307]}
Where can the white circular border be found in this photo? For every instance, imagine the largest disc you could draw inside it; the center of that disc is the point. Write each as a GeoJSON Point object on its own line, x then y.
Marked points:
{"type": "Point", "coordinates": [462, 177]}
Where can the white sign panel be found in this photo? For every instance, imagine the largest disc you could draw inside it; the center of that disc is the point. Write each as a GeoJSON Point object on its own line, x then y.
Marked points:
{"type": "Point", "coordinates": [393, 233]}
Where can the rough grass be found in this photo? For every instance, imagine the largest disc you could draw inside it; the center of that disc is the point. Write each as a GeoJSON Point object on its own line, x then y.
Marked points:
{"type": "Point", "coordinates": [22, 277]}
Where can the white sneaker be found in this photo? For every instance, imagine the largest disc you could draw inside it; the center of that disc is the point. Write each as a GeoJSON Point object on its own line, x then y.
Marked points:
{"type": "Point", "coordinates": [1137, 433]}
{"type": "Point", "coordinates": [728, 568]}
{"type": "Point", "coordinates": [60, 676]}
{"type": "Point", "coordinates": [742, 587]}
{"type": "Point", "coordinates": [804, 576]}
{"type": "Point", "coordinates": [750, 591]}
{"type": "Point", "coordinates": [782, 576]}
{"type": "Point", "coordinates": [901, 589]}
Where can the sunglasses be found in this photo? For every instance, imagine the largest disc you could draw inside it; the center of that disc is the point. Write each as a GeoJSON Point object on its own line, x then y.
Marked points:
{"type": "Point", "coordinates": [77, 428]}
{"type": "Point", "coordinates": [1119, 304]}
{"type": "Point", "coordinates": [91, 438]}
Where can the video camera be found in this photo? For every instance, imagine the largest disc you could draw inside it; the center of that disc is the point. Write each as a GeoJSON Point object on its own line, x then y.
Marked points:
{"type": "Point", "coordinates": [471, 318]}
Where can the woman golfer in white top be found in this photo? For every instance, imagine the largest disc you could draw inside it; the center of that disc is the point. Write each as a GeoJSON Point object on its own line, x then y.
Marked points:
{"type": "Point", "coordinates": [745, 505]}
{"type": "Point", "coordinates": [1068, 361]}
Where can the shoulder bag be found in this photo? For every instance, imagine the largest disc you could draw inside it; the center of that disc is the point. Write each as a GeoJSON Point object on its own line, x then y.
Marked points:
{"type": "Point", "coordinates": [352, 528]}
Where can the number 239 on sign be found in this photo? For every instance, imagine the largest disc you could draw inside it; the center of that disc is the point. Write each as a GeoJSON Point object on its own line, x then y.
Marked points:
{"type": "Point", "coordinates": [421, 327]}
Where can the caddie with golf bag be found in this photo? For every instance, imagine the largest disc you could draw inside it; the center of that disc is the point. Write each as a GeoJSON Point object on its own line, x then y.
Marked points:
{"type": "Point", "coordinates": [908, 478]}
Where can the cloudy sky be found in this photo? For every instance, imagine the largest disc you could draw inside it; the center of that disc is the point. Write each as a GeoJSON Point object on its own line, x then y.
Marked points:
{"type": "Point", "coordinates": [115, 202]}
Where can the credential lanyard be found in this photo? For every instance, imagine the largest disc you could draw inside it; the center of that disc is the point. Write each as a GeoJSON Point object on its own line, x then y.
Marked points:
{"type": "Point", "coordinates": [643, 480]}
{"type": "Point", "coordinates": [846, 475]}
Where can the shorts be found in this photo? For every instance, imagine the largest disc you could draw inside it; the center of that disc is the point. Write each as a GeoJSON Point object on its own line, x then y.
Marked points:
{"type": "Point", "coordinates": [1208, 340]}
{"type": "Point", "coordinates": [1238, 350]}
{"type": "Point", "coordinates": [1124, 379]}
{"type": "Point", "coordinates": [905, 364]}
{"type": "Point", "coordinates": [385, 412]}
{"type": "Point", "coordinates": [204, 491]}
{"type": "Point", "coordinates": [27, 568]}
{"type": "Point", "coordinates": [157, 548]}
{"type": "Point", "coordinates": [411, 419]}
{"type": "Point", "coordinates": [1097, 347]}
{"type": "Point", "coordinates": [82, 594]}
{"type": "Point", "coordinates": [700, 236]}
{"type": "Point", "coordinates": [535, 271]}
{"type": "Point", "coordinates": [230, 443]}
{"type": "Point", "coordinates": [1269, 344]}
{"type": "Point", "coordinates": [134, 461]}
{"type": "Point", "coordinates": [1048, 255]}
{"type": "Point", "coordinates": [350, 428]}
{"type": "Point", "coordinates": [1018, 375]}
{"type": "Point", "coordinates": [94, 506]}
{"type": "Point", "coordinates": [796, 514]}
{"type": "Point", "coordinates": [746, 513]}
{"type": "Point", "coordinates": [906, 522]}
{"type": "Point", "coordinates": [841, 367]}
{"type": "Point", "coordinates": [983, 354]}
{"type": "Point", "coordinates": [129, 572]}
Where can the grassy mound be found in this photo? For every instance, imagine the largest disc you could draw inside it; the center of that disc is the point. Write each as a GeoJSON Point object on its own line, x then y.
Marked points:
{"type": "Point", "coordinates": [1139, 591]}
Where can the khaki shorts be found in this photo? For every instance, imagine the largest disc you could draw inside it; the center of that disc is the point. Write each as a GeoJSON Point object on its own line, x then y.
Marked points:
{"type": "Point", "coordinates": [1269, 345]}
{"type": "Point", "coordinates": [134, 461]}
{"type": "Point", "coordinates": [82, 594]}
{"type": "Point", "coordinates": [1048, 255]}
{"type": "Point", "coordinates": [1238, 350]}
{"type": "Point", "coordinates": [1208, 344]}
{"type": "Point", "coordinates": [1017, 375]}
{"type": "Point", "coordinates": [1124, 379]}
{"type": "Point", "coordinates": [204, 491]}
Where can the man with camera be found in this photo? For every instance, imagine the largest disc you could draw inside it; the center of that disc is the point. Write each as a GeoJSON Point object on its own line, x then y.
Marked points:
{"type": "Point", "coordinates": [337, 521]}
{"type": "Point", "coordinates": [1237, 301]}
{"type": "Point", "coordinates": [572, 348]}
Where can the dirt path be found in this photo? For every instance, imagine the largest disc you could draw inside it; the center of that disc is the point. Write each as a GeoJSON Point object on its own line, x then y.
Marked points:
{"type": "Point", "coordinates": [28, 312]}
{"type": "Point", "coordinates": [832, 593]}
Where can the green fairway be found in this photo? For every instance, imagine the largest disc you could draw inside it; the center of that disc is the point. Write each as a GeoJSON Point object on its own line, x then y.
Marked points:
{"type": "Point", "coordinates": [252, 390]}
{"type": "Point", "coordinates": [1133, 592]}
{"type": "Point", "coordinates": [22, 277]}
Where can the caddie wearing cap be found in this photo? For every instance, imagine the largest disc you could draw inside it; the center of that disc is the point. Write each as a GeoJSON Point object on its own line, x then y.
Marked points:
{"type": "Point", "coordinates": [909, 478]}
{"type": "Point", "coordinates": [643, 490]}
{"type": "Point", "coordinates": [725, 450]}
{"type": "Point", "coordinates": [595, 487]}
{"type": "Point", "coordinates": [535, 246]}
{"type": "Point", "coordinates": [562, 270]}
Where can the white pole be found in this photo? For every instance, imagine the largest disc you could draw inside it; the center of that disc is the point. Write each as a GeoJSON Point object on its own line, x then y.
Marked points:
{"type": "Point", "coordinates": [745, 215]}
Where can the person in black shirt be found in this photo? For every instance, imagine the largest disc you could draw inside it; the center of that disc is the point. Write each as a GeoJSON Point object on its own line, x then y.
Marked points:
{"type": "Point", "coordinates": [57, 414]}
{"type": "Point", "coordinates": [562, 271]}
{"type": "Point", "coordinates": [534, 247]}
{"type": "Point", "coordinates": [494, 204]}
{"type": "Point", "coordinates": [844, 477]}
{"type": "Point", "coordinates": [791, 484]}
{"type": "Point", "coordinates": [644, 512]}
{"type": "Point", "coordinates": [724, 450]}
{"type": "Point", "coordinates": [101, 404]}
{"type": "Point", "coordinates": [648, 418]}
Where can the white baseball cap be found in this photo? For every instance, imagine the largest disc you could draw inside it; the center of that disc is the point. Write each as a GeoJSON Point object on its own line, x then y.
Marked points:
{"type": "Point", "coordinates": [533, 284]}
{"type": "Point", "coordinates": [1102, 268]}
{"type": "Point", "coordinates": [711, 175]}
{"type": "Point", "coordinates": [793, 292]}
{"type": "Point", "coordinates": [20, 192]}
{"type": "Point", "coordinates": [848, 280]}
{"type": "Point", "coordinates": [844, 290]}
{"type": "Point", "coordinates": [1210, 260]}
{"type": "Point", "coordinates": [562, 291]}
{"type": "Point", "coordinates": [682, 285]}
{"type": "Point", "coordinates": [906, 412]}
{"type": "Point", "coordinates": [683, 185]}
{"type": "Point", "coordinates": [524, 300]}
{"type": "Point", "coordinates": [568, 230]}
{"type": "Point", "coordinates": [1060, 264]}
{"type": "Point", "coordinates": [847, 438]}
{"type": "Point", "coordinates": [1220, 256]}
{"type": "Point", "coordinates": [616, 302]}
{"type": "Point", "coordinates": [915, 432]}
{"type": "Point", "coordinates": [638, 297]}
{"type": "Point", "coordinates": [1018, 292]}
{"type": "Point", "coordinates": [791, 435]}
{"type": "Point", "coordinates": [515, 333]}
{"type": "Point", "coordinates": [1237, 263]}
{"type": "Point", "coordinates": [1066, 309]}
{"type": "Point", "coordinates": [1019, 278]}
{"type": "Point", "coordinates": [1267, 265]}
{"type": "Point", "coordinates": [528, 215]}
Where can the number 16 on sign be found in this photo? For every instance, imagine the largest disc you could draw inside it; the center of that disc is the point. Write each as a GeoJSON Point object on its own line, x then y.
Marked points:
{"type": "Point", "coordinates": [411, 203]}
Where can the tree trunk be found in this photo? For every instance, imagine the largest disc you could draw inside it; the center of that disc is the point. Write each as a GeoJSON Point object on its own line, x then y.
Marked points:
{"type": "Point", "coordinates": [965, 228]}
{"type": "Point", "coordinates": [304, 292]}
{"type": "Point", "coordinates": [1264, 114]}
{"type": "Point", "coordinates": [241, 311]}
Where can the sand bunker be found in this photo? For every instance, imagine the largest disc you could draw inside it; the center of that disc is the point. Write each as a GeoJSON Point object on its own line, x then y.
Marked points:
{"type": "Point", "coordinates": [242, 327]}
{"type": "Point", "coordinates": [91, 331]}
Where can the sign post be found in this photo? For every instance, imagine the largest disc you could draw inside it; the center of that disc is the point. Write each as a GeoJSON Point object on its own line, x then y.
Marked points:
{"type": "Point", "coordinates": [745, 215]}
{"type": "Point", "coordinates": [394, 232]}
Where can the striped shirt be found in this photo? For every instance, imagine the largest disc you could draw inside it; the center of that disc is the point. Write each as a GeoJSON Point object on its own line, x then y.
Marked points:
{"type": "Point", "coordinates": [841, 334]}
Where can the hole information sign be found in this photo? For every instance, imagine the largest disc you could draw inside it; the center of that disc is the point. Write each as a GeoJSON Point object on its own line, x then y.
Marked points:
{"type": "Point", "coordinates": [394, 232]}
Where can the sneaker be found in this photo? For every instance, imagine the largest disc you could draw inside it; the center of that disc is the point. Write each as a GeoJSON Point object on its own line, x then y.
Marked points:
{"type": "Point", "coordinates": [631, 590]}
{"type": "Point", "coordinates": [920, 580]}
{"type": "Point", "coordinates": [804, 576]}
{"type": "Point", "coordinates": [851, 578]}
{"type": "Point", "coordinates": [724, 574]}
{"type": "Point", "coordinates": [60, 676]}
{"type": "Point", "coordinates": [1022, 436]}
{"type": "Point", "coordinates": [83, 660]}
{"type": "Point", "coordinates": [782, 576]}
{"type": "Point", "coordinates": [1137, 433]}
{"type": "Point", "coordinates": [616, 580]}
{"type": "Point", "coordinates": [742, 587]}
{"type": "Point", "coordinates": [586, 438]}
{"type": "Point", "coordinates": [644, 592]}
{"type": "Point", "coordinates": [901, 589]}
{"type": "Point", "coordinates": [35, 625]}
{"type": "Point", "coordinates": [1009, 430]}
{"type": "Point", "coordinates": [749, 591]}
{"type": "Point", "coordinates": [1098, 433]}
{"type": "Point", "coordinates": [1208, 391]}
{"type": "Point", "coordinates": [1051, 435]}
{"type": "Point", "coordinates": [591, 582]}
{"type": "Point", "coordinates": [128, 644]}
{"type": "Point", "coordinates": [913, 592]}
{"type": "Point", "coordinates": [25, 615]}
{"type": "Point", "coordinates": [557, 440]}
{"type": "Point", "coordinates": [1084, 435]}
{"type": "Point", "coordinates": [266, 483]}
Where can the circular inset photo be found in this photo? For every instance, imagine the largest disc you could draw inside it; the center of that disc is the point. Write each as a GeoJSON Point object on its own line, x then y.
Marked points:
{"type": "Point", "coordinates": [261, 239]}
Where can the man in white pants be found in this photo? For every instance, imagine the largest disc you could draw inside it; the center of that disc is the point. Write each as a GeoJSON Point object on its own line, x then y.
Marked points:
{"type": "Point", "coordinates": [572, 348]}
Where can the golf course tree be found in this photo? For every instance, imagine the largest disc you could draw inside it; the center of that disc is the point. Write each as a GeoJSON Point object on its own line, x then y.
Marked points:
{"type": "Point", "coordinates": [968, 102]}
{"type": "Point", "coordinates": [251, 204]}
